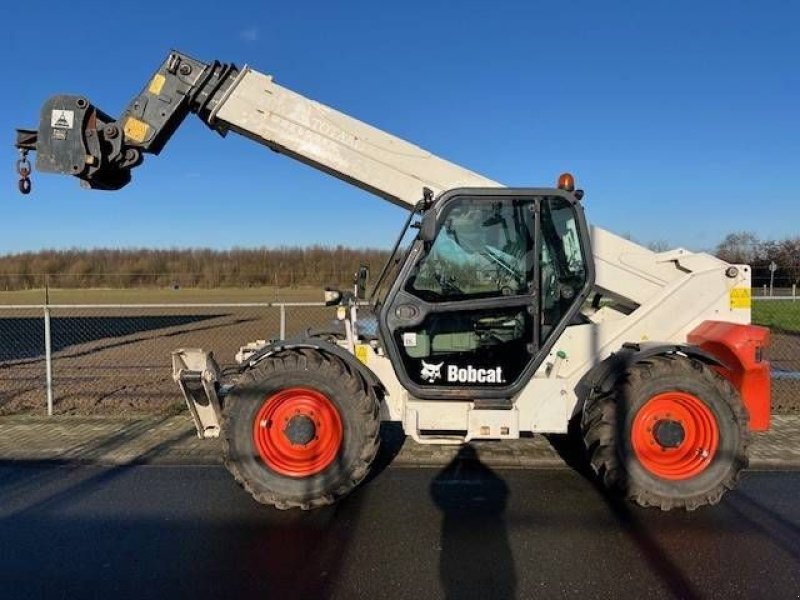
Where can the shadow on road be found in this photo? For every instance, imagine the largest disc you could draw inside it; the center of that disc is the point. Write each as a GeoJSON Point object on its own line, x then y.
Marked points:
{"type": "Point", "coordinates": [292, 554]}
{"type": "Point", "coordinates": [73, 458]}
{"type": "Point", "coordinates": [244, 551]}
{"type": "Point", "coordinates": [570, 448]}
{"type": "Point", "coordinates": [770, 523]}
{"type": "Point", "coordinates": [475, 554]}
{"type": "Point", "coordinates": [393, 439]}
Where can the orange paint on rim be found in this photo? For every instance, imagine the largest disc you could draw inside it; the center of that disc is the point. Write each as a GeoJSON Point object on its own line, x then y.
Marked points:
{"type": "Point", "coordinates": [322, 423]}
{"type": "Point", "coordinates": [692, 454]}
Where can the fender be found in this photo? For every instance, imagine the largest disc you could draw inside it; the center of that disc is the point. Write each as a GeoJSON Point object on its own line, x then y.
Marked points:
{"type": "Point", "coordinates": [742, 348]}
{"type": "Point", "coordinates": [316, 344]}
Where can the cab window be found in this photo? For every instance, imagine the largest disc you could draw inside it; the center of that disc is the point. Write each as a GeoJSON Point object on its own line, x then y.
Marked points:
{"type": "Point", "coordinates": [482, 250]}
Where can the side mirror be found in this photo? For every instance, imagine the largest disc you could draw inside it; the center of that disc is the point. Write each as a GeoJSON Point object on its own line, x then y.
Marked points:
{"type": "Point", "coordinates": [360, 281]}
{"type": "Point", "coordinates": [427, 228]}
{"type": "Point", "coordinates": [332, 297]}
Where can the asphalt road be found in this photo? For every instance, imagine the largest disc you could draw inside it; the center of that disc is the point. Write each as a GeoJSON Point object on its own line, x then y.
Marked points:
{"type": "Point", "coordinates": [460, 532]}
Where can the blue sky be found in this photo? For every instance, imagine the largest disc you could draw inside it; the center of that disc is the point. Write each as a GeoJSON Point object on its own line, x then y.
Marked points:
{"type": "Point", "coordinates": [680, 119]}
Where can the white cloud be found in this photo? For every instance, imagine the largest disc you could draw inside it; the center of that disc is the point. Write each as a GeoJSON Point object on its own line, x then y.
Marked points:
{"type": "Point", "coordinates": [249, 35]}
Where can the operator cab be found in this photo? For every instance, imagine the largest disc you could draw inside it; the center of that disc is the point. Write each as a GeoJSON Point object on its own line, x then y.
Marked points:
{"type": "Point", "coordinates": [488, 285]}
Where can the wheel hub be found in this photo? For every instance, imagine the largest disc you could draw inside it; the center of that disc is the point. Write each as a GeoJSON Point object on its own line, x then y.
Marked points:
{"type": "Point", "coordinates": [300, 430]}
{"type": "Point", "coordinates": [669, 433]}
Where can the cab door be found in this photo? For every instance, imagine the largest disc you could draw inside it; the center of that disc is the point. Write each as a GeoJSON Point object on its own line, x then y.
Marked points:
{"type": "Point", "coordinates": [487, 286]}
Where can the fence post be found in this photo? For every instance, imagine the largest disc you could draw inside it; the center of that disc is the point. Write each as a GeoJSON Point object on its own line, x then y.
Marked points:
{"type": "Point", "coordinates": [765, 290]}
{"type": "Point", "coordinates": [794, 292]}
{"type": "Point", "coordinates": [48, 357]}
{"type": "Point", "coordinates": [283, 322]}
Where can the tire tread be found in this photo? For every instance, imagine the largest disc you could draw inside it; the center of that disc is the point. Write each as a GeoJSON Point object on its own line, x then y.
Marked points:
{"type": "Point", "coordinates": [600, 426]}
{"type": "Point", "coordinates": [364, 402]}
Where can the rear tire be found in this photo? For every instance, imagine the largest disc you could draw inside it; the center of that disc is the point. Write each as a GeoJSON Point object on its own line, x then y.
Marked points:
{"type": "Point", "coordinates": [672, 433]}
{"type": "Point", "coordinates": [334, 442]}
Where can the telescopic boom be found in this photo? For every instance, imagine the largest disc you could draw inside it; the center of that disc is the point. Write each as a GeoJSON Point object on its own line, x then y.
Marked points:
{"type": "Point", "coordinates": [76, 138]}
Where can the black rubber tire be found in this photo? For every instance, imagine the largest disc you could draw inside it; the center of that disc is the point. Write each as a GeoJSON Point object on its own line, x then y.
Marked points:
{"type": "Point", "coordinates": [606, 427]}
{"type": "Point", "coordinates": [345, 388]}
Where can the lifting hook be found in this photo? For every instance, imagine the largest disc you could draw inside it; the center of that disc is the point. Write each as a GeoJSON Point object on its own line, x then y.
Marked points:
{"type": "Point", "coordinates": [24, 171]}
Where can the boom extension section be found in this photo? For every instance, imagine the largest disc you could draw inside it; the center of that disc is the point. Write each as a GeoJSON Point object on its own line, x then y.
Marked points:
{"type": "Point", "coordinates": [76, 138]}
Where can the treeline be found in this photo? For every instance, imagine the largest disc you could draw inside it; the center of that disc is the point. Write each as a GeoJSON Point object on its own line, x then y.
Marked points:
{"type": "Point", "coordinates": [200, 267]}
{"type": "Point", "coordinates": [290, 265]}
{"type": "Point", "coordinates": [746, 247]}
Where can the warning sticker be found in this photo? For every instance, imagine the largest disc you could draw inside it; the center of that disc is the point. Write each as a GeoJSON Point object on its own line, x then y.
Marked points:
{"type": "Point", "coordinates": [62, 119]}
{"type": "Point", "coordinates": [362, 352]}
{"type": "Point", "coordinates": [740, 298]}
{"type": "Point", "coordinates": [136, 130]}
{"type": "Point", "coordinates": [157, 83]}
{"type": "Point", "coordinates": [410, 339]}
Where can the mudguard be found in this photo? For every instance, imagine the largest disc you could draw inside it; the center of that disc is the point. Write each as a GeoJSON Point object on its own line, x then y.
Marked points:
{"type": "Point", "coordinates": [603, 376]}
{"type": "Point", "coordinates": [317, 344]}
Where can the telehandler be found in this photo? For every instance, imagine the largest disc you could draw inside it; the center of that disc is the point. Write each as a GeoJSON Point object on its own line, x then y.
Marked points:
{"type": "Point", "coordinates": [505, 315]}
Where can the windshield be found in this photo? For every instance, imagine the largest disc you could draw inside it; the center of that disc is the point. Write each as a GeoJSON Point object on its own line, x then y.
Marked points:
{"type": "Point", "coordinates": [482, 250]}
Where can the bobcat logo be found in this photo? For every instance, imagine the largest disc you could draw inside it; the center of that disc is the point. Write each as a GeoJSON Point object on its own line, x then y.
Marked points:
{"type": "Point", "coordinates": [431, 373]}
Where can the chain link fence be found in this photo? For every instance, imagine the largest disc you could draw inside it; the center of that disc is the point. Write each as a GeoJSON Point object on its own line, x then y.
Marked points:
{"type": "Point", "coordinates": [771, 279]}
{"type": "Point", "coordinates": [782, 315]}
{"type": "Point", "coordinates": [22, 358]}
{"type": "Point", "coordinates": [115, 358]}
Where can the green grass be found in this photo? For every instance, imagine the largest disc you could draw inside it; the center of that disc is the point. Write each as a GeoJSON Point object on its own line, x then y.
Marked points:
{"type": "Point", "coordinates": [780, 315]}
{"type": "Point", "coordinates": [164, 295]}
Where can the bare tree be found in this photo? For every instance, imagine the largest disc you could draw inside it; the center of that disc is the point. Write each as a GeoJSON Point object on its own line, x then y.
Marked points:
{"type": "Point", "coordinates": [788, 257]}
{"type": "Point", "coordinates": [659, 245]}
{"type": "Point", "coordinates": [739, 247]}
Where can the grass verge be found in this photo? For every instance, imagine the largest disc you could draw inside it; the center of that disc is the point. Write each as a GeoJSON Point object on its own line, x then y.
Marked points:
{"type": "Point", "coordinates": [778, 315]}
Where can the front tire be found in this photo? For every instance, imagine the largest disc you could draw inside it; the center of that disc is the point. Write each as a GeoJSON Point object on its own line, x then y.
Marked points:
{"type": "Point", "coordinates": [672, 433]}
{"type": "Point", "coordinates": [300, 430]}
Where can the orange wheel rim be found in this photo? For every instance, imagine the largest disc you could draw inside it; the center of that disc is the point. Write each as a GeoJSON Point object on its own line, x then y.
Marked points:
{"type": "Point", "coordinates": [298, 432]}
{"type": "Point", "coordinates": [675, 435]}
